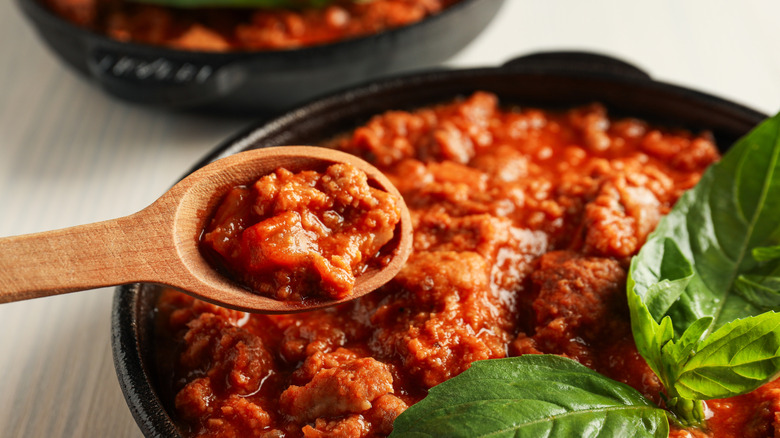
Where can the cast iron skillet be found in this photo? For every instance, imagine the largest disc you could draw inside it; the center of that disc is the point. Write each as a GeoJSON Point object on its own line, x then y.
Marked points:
{"type": "Point", "coordinates": [259, 81]}
{"type": "Point", "coordinates": [549, 80]}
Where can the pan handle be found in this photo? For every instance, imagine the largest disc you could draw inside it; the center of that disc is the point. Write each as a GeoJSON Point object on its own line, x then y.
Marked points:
{"type": "Point", "coordinates": [575, 62]}
{"type": "Point", "coordinates": [162, 80]}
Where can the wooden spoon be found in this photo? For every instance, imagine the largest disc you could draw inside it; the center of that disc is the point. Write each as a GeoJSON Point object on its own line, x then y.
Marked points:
{"type": "Point", "coordinates": [159, 244]}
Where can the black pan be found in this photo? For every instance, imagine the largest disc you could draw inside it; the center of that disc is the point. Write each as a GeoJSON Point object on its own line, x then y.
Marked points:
{"type": "Point", "coordinates": [549, 80]}
{"type": "Point", "coordinates": [259, 81]}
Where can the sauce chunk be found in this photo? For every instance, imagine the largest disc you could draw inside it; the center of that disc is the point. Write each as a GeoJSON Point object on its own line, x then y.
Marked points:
{"type": "Point", "coordinates": [293, 236]}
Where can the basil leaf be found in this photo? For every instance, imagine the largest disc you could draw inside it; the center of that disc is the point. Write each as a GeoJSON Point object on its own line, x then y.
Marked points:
{"type": "Point", "coordinates": [759, 289]}
{"type": "Point", "coordinates": [715, 227]}
{"type": "Point", "coordinates": [738, 358]}
{"type": "Point", "coordinates": [266, 4]}
{"type": "Point", "coordinates": [661, 285]}
{"type": "Point", "coordinates": [761, 286]}
{"type": "Point", "coordinates": [766, 253]}
{"type": "Point", "coordinates": [713, 260]}
{"type": "Point", "coordinates": [531, 396]}
{"type": "Point", "coordinates": [677, 353]}
{"type": "Point", "coordinates": [649, 336]}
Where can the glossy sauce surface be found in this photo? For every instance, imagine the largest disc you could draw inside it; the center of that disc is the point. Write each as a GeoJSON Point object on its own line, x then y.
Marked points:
{"type": "Point", "coordinates": [524, 223]}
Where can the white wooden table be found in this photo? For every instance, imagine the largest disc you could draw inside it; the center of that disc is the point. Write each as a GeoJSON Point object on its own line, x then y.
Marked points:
{"type": "Point", "coordinates": [71, 155]}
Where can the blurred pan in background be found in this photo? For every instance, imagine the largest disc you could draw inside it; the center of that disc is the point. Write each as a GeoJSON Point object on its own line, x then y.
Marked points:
{"type": "Point", "coordinates": [256, 81]}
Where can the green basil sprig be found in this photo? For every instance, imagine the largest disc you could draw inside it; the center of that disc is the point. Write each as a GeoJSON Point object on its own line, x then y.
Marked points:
{"type": "Point", "coordinates": [702, 288]}
{"type": "Point", "coordinates": [531, 396]}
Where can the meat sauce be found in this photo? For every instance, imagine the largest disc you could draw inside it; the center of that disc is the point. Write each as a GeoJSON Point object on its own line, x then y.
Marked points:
{"type": "Point", "coordinates": [524, 224]}
{"type": "Point", "coordinates": [227, 29]}
{"type": "Point", "coordinates": [304, 235]}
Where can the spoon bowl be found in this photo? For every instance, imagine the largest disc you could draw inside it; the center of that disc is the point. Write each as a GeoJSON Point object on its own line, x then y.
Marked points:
{"type": "Point", "coordinates": [159, 244]}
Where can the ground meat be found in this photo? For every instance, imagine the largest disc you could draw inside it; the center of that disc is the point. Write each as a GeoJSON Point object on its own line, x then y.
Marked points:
{"type": "Point", "coordinates": [242, 414]}
{"type": "Point", "coordinates": [384, 411]}
{"type": "Point", "coordinates": [455, 317]}
{"type": "Point", "coordinates": [578, 290]}
{"type": "Point", "coordinates": [592, 123]}
{"type": "Point", "coordinates": [196, 400]}
{"type": "Point", "coordinates": [524, 221]}
{"type": "Point", "coordinates": [321, 332]}
{"type": "Point", "coordinates": [344, 389]}
{"type": "Point", "coordinates": [676, 432]}
{"type": "Point", "coordinates": [353, 426]}
{"type": "Point", "coordinates": [683, 151]}
{"type": "Point", "coordinates": [502, 162]}
{"type": "Point", "coordinates": [228, 355]}
{"type": "Point", "coordinates": [618, 221]}
{"type": "Point", "coordinates": [451, 136]}
{"type": "Point", "coordinates": [303, 235]}
{"type": "Point", "coordinates": [233, 363]}
{"type": "Point", "coordinates": [320, 361]}
{"type": "Point", "coordinates": [575, 302]}
{"type": "Point", "coordinates": [234, 417]}
{"type": "Point", "coordinates": [579, 314]}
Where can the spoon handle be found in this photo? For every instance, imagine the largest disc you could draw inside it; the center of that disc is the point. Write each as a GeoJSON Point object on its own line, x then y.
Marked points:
{"type": "Point", "coordinates": [88, 256]}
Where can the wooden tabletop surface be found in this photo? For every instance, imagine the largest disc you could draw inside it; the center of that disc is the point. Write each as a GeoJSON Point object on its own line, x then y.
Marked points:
{"type": "Point", "coordinates": [69, 155]}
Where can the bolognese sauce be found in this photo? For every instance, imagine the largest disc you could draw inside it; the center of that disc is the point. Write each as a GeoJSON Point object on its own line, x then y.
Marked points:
{"type": "Point", "coordinates": [229, 29]}
{"type": "Point", "coordinates": [296, 236]}
{"type": "Point", "coordinates": [524, 224]}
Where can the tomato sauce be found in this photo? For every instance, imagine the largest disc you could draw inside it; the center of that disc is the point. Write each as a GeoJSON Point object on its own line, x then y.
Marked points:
{"type": "Point", "coordinates": [304, 235]}
{"type": "Point", "coordinates": [227, 29]}
{"type": "Point", "coordinates": [524, 224]}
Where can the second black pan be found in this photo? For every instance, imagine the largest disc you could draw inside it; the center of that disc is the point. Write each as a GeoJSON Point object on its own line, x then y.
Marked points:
{"type": "Point", "coordinates": [255, 81]}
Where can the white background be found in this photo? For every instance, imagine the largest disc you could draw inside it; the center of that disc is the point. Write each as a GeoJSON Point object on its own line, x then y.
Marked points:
{"type": "Point", "coordinates": [71, 155]}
